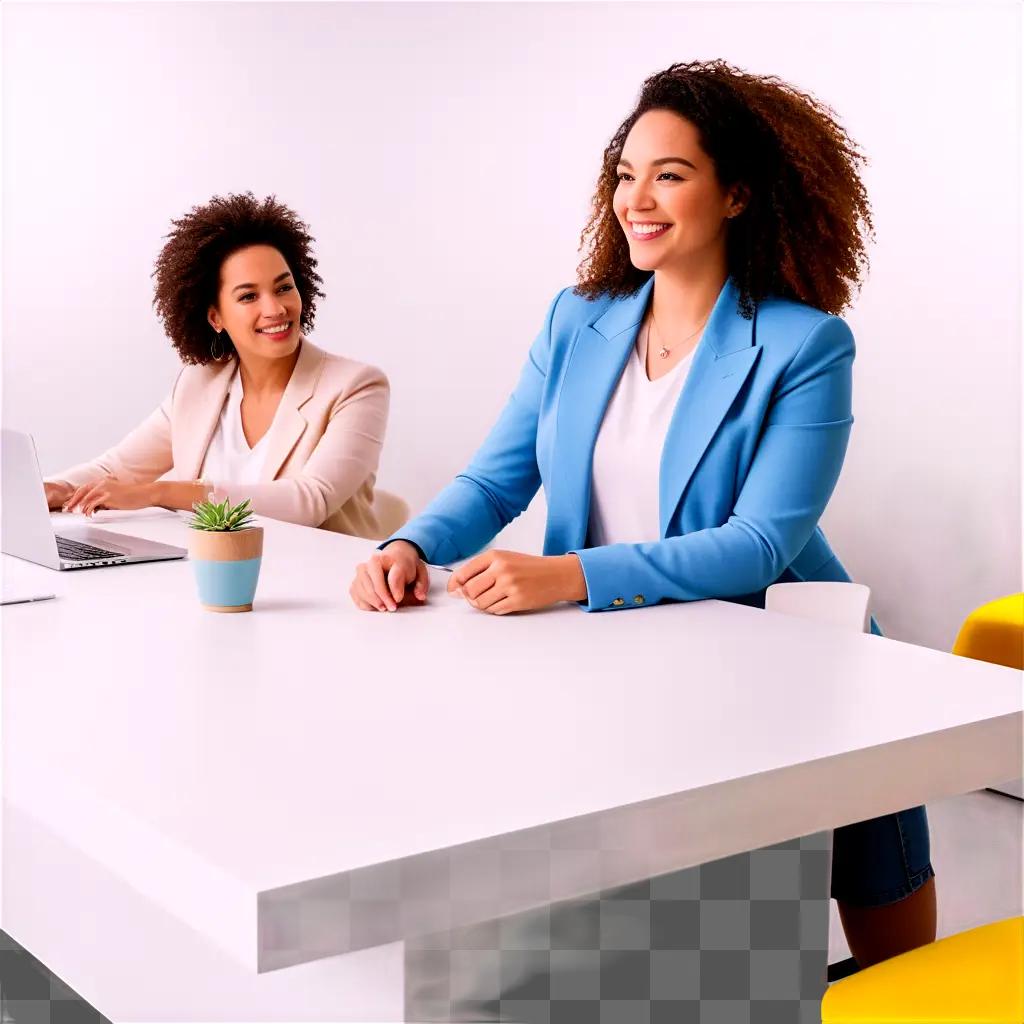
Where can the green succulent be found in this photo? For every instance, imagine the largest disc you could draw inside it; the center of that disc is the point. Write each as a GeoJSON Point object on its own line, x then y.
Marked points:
{"type": "Point", "coordinates": [224, 518]}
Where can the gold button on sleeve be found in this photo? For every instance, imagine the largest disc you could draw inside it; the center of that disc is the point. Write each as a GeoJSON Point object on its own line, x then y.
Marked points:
{"type": "Point", "coordinates": [639, 599]}
{"type": "Point", "coordinates": [618, 602]}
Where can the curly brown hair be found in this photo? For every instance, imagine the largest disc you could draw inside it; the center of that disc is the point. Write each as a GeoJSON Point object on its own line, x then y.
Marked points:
{"type": "Point", "coordinates": [187, 271]}
{"type": "Point", "coordinates": [802, 234]}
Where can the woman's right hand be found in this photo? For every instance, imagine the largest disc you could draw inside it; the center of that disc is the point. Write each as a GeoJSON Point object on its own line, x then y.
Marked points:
{"type": "Point", "coordinates": [57, 492]}
{"type": "Point", "coordinates": [392, 577]}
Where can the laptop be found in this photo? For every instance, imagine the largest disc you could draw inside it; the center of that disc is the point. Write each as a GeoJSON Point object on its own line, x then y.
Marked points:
{"type": "Point", "coordinates": [27, 531]}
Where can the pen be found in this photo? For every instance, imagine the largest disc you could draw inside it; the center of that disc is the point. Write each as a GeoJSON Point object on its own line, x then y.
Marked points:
{"type": "Point", "coordinates": [27, 600]}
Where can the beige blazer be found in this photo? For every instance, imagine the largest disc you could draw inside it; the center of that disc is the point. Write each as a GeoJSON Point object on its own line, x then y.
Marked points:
{"type": "Point", "coordinates": [323, 446]}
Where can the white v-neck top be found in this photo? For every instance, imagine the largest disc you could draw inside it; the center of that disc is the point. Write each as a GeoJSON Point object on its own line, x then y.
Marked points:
{"type": "Point", "coordinates": [627, 454]}
{"type": "Point", "coordinates": [229, 456]}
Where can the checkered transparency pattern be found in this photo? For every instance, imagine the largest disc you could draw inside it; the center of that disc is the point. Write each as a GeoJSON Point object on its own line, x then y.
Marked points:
{"type": "Point", "coordinates": [31, 994]}
{"type": "Point", "coordinates": [742, 940]}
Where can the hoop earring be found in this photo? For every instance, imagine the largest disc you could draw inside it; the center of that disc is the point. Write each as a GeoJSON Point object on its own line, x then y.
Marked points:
{"type": "Point", "coordinates": [216, 348]}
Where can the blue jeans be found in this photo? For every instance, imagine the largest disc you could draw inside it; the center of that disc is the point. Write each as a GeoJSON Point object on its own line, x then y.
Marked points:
{"type": "Point", "coordinates": [882, 860]}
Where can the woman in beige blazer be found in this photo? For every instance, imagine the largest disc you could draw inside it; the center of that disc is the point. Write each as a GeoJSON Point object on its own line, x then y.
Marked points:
{"type": "Point", "coordinates": [258, 411]}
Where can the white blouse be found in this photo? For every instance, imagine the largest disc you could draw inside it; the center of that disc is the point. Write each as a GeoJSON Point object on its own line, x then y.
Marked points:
{"type": "Point", "coordinates": [229, 456]}
{"type": "Point", "coordinates": [627, 454]}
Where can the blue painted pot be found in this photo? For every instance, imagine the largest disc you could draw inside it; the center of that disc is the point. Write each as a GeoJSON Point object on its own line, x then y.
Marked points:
{"type": "Point", "coordinates": [227, 567]}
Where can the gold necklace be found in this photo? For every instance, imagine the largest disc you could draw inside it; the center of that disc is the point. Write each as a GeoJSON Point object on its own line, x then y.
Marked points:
{"type": "Point", "coordinates": [665, 351]}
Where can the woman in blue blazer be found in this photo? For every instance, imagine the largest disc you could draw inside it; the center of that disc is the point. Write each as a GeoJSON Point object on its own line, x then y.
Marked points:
{"type": "Point", "coordinates": [687, 408]}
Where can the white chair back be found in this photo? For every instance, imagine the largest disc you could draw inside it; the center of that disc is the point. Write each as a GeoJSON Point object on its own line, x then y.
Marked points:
{"type": "Point", "coordinates": [841, 604]}
{"type": "Point", "coordinates": [392, 511]}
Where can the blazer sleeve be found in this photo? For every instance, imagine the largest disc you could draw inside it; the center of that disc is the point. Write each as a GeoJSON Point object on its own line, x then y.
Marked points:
{"type": "Point", "coordinates": [347, 453]}
{"type": "Point", "coordinates": [501, 478]}
{"type": "Point", "coordinates": [141, 457]}
{"type": "Point", "coordinates": [794, 470]}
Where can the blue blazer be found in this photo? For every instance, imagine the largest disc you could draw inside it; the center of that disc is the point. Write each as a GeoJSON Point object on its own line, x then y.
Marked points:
{"type": "Point", "coordinates": [752, 454]}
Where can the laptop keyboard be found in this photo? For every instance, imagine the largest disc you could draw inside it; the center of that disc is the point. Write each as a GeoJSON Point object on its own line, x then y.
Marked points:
{"type": "Point", "coordinates": [76, 551]}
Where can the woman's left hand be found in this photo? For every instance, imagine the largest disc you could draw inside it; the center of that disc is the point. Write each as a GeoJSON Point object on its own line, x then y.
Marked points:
{"type": "Point", "coordinates": [499, 582]}
{"type": "Point", "coordinates": [109, 492]}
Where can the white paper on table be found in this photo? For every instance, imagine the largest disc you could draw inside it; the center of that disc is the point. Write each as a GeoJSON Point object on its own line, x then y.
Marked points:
{"type": "Point", "coordinates": [109, 516]}
{"type": "Point", "coordinates": [24, 596]}
{"type": "Point", "coordinates": [20, 579]}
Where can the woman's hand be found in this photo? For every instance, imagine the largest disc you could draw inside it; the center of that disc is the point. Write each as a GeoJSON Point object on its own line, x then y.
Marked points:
{"type": "Point", "coordinates": [392, 577]}
{"type": "Point", "coordinates": [57, 492]}
{"type": "Point", "coordinates": [500, 582]}
{"type": "Point", "coordinates": [108, 492]}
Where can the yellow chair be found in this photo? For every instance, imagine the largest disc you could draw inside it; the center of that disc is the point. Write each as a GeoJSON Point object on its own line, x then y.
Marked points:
{"type": "Point", "coordinates": [976, 977]}
{"type": "Point", "coordinates": [994, 632]}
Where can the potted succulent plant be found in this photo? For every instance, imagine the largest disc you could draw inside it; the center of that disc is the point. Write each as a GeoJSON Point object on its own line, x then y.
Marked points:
{"type": "Point", "coordinates": [225, 550]}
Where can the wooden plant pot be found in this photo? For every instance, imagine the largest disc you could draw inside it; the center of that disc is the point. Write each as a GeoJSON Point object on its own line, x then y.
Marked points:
{"type": "Point", "coordinates": [227, 567]}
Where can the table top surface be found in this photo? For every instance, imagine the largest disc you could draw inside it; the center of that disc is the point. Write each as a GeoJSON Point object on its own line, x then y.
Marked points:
{"type": "Point", "coordinates": [309, 737]}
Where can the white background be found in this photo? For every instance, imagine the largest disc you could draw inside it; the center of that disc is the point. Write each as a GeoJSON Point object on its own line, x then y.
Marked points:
{"type": "Point", "coordinates": [444, 156]}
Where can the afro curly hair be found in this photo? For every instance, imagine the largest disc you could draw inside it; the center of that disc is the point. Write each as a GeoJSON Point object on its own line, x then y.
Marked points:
{"type": "Point", "coordinates": [802, 234]}
{"type": "Point", "coordinates": [187, 271]}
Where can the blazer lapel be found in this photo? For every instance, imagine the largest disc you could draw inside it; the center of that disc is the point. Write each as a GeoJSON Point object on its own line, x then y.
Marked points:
{"type": "Point", "coordinates": [196, 429]}
{"type": "Point", "coordinates": [289, 424]}
{"type": "Point", "coordinates": [595, 365]}
{"type": "Point", "coordinates": [721, 364]}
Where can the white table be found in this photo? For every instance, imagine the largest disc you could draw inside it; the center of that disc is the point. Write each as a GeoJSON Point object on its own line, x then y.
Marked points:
{"type": "Point", "coordinates": [196, 805]}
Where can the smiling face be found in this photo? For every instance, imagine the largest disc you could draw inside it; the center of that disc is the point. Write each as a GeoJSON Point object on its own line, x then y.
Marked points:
{"type": "Point", "coordinates": [669, 201]}
{"type": "Point", "coordinates": [258, 304]}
